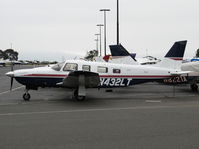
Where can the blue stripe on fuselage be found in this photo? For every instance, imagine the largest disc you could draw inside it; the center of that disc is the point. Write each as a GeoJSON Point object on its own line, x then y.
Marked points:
{"type": "Point", "coordinates": [104, 81]}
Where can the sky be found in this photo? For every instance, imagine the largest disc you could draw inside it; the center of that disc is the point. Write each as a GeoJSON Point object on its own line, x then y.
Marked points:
{"type": "Point", "coordinates": [64, 29]}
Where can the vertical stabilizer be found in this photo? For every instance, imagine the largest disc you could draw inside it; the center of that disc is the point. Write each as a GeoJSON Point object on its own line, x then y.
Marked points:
{"type": "Point", "coordinates": [121, 55]}
{"type": "Point", "coordinates": [173, 59]}
{"type": "Point", "coordinates": [177, 51]}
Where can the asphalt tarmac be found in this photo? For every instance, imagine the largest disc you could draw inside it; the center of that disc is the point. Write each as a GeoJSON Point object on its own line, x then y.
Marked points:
{"type": "Point", "coordinates": [147, 116]}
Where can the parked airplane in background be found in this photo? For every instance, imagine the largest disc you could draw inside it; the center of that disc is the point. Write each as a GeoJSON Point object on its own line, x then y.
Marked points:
{"type": "Point", "coordinates": [192, 77]}
{"type": "Point", "coordinates": [119, 53]}
{"type": "Point", "coordinates": [2, 63]}
{"type": "Point", "coordinates": [191, 66]}
{"type": "Point", "coordinates": [8, 62]}
{"type": "Point", "coordinates": [79, 74]}
{"type": "Point", "coordinates": [148, 60]}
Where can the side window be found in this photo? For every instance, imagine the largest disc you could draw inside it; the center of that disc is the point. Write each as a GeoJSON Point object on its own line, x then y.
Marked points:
{"type": "Point", "coordinates": [101, 69]}
{"type": "Point", "coordinates": [70, 67]}
{"type": "Point", "coordinates": [116, 71]}
{"type": "Point", "coordinates": [86, 68]}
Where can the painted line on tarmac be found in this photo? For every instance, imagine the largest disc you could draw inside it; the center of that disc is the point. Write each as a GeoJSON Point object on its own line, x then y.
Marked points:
{"type": "Point", "coordinates": [11, 90]}
{"type": "Point", "coordinates": [94, 110]}
{"type": "Point", "coordinates": [153, 101]}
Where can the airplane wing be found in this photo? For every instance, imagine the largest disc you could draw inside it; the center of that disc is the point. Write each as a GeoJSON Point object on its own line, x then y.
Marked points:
{"type": "Point", "coordinates": [77, 79]}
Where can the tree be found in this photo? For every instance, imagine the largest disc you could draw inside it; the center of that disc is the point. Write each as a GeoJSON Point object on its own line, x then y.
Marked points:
{"type": "Point", "coordinates": [1, 54]}
{"type": "Point", "coordinates": [11, 54]}
{"type": "Point", "coordinates": [197, 53]}
{"type": "Point", "coordinates": [91, 54]}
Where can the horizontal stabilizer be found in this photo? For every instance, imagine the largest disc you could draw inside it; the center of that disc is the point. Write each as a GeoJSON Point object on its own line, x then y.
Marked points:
{"type": "Point", "coordinates": [180, 72]}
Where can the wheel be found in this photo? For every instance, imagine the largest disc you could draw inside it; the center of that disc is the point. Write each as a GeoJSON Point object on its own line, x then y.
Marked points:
{"type": "Point", "coordinates": [78, 98]}
{"type": "Point", "coordinates": [26, 96]}
{"type": "Point", "coordinates": [194, 87]}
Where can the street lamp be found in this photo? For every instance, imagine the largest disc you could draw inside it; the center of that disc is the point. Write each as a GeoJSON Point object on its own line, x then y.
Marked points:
{"type": "Point", "coordinates": [97, 42]}
{"type": "Point", "coordinates": [100, 37]}
{"type": "Point", "coordinates": [118, 22]}
{"type": "Point", "coordinates": [105, 10]}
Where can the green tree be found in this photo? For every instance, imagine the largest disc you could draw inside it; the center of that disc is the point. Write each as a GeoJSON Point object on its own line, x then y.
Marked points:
{"type": "Point", "coordinates": [197, 53]}
{"type": "Point", "coordinates": [11, 54]}
{"type": "Point", "coordinates": [1, 54]}
{"type": "Point", "coordinates": [91, 54]}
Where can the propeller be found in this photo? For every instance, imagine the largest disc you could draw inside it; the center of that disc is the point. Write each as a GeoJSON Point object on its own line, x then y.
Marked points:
{"type": "Point", "coordinates": [11, 75]}
{"type": "Point", "coordinates": [11, 83]}
{"type": "Point", "coordinates": [12, 66]}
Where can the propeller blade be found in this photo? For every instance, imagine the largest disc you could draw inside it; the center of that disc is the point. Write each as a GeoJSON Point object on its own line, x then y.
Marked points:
{"type": "Point", "coordinates": [12, 68]}
{"type": "Point", "coordinates": [11, 83]}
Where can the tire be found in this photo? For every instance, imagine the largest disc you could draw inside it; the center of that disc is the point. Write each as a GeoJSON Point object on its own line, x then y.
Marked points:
{"type": "Point", "coordinates": [78, 98]}
{"type": "Point", "coordinates": [26, 96]}
{"type": "Point", "coordinates": [194, 87]}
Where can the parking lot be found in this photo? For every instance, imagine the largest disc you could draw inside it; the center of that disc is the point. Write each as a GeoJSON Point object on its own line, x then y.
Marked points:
{"type": "Point", "coordinates": [143, 116]}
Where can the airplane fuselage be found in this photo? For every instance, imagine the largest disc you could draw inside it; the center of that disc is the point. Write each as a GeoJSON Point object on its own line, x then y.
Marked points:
{"type": "Point", "coordinates": [111, 75]}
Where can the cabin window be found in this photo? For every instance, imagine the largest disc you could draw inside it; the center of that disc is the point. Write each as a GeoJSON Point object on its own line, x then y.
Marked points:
{"type": "Point", "coordinates": [70, 67]}
{"type": "Point", "coordinates": [58, 66]}
{"type": "Point", "coordinates": [86, 67]}
{"type": "Point", "coordinates": [101, 69]}
{"type": "Point", "coordinates": [116, 71]}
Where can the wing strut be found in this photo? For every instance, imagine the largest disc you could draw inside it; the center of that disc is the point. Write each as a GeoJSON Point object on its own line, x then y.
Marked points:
{"type": "Point", "coordinates": [81, 87]}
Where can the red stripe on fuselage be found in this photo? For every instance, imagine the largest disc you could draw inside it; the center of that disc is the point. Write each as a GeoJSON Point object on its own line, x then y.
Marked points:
{"type": "Point", "coordinates": [176, 58]}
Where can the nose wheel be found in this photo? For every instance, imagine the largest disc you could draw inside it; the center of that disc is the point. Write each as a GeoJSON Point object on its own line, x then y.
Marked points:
{"type": "Point", "coordinates": [26, 95]}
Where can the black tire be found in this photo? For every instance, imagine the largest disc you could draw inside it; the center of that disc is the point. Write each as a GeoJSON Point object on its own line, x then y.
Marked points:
{"type": "Point", "coordinates": [26, 96]}
{"type": "Point", "coordinates": [194, 87]}
{"type": "Point", "coordinates": [78, 98]}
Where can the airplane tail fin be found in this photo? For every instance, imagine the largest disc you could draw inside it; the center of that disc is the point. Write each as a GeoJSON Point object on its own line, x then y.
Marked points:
{"type": "Point", "coordinates": [173, 58]}
{"type": "Point", "coordinates": [177, 51]}
{"type": "Point", "coordinates": [119, 50]}
{"type": "Point", "coordinates": [121, 55]}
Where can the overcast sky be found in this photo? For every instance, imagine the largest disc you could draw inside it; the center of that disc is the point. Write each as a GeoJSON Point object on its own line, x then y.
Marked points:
{"type": "Point", "coordinates": [57, 29]}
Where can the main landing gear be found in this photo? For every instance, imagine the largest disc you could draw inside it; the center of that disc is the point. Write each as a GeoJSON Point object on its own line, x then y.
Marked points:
{"type": "Point", "coordinates": [26, 95]}
{"type": "Point", "coordinates": [194, 87]}
{"type": "Point", "coordinates": [77, 96]}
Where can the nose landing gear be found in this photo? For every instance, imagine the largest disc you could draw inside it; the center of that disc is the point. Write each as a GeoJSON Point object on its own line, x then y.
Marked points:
{"type": "Point", "coordinates": [26, 95]}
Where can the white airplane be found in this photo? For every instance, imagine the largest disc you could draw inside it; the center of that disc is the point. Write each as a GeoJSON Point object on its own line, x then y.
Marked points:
{"type": "Point", "coordinates": [8, 62]}
{"type": "Point", "coordinates": [192, 67]}
{"type": "Point", "coordinates": [121, 55]}
{"type": "Point", "coordinates": [148, 60]}
{"type": "Point", "coordinates": [80, 75]}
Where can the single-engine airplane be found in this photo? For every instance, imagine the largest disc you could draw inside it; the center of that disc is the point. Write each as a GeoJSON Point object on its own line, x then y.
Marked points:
{"type": "Point", "coordinates": [80, 74]}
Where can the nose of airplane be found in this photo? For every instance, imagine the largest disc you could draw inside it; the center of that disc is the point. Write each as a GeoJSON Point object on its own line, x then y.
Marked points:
{"type": "Point", "coordinates": [10, 74]}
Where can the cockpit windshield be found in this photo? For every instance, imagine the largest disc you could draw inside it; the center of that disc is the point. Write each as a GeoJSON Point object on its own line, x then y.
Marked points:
{"type": "Point", "coordinates": [57, 66]}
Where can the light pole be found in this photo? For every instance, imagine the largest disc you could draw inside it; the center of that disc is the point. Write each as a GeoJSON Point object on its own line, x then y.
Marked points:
{"type": "Point", "coordinates": [100, 37]}
{"type": "Point", "coordinates": [118, 22]}
{"type": "Point", "coordinates": [97, 43]}
{"type": "Point", "coordinates": [105, 10]}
